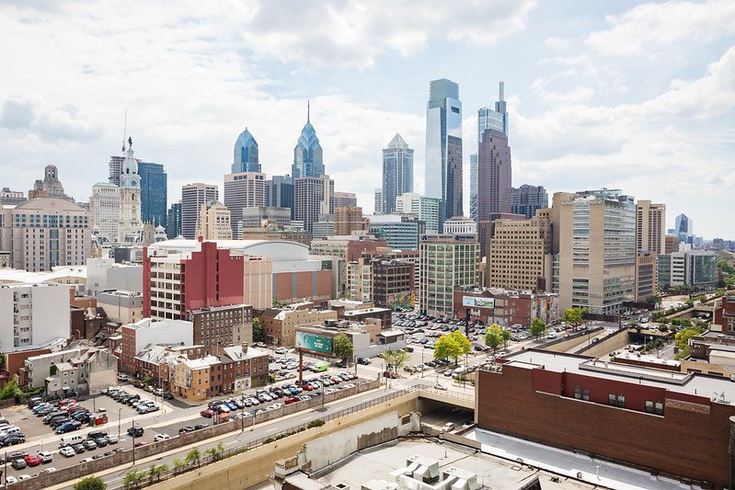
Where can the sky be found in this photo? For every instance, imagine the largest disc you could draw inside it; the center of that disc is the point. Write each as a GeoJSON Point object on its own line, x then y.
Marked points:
{"type": "Point", "coordinates": [612, 93]}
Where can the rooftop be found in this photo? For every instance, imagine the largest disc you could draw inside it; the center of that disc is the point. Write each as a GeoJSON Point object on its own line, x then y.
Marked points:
{"type": "Point", "coordinates": [21, 276]}
{"type": "Point", "coordinates": [717, 388]}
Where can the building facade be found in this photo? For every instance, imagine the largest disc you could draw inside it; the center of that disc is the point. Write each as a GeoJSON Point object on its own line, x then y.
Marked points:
{"type": "Point", "coordinates": [397, 172]}
{"type": "Point", "coordinates": [193, 196]}
{"type": "Point", "coordinates": [258, 216]}
{"type": "Point", "coordinates": [378, 201]}
{"type": "Point", "coordinates": [130, 226]}
{"type": "Point", "coordinates": [33, 315]}
{"type": "Point", "coordinates": [494, 174]}
{"type": "Point", "coordinates": [650, 227]}
{"type": "Point", "coordinates": [347, 220]}
{"type": "Point", "coordinates": [446, 261]}
{"type": "Point", "coordinates": [215, 222]}
{"type": "Point", "coordinates": [307, 155]}
{"type": "Point", "coordinates": [223, 326]}
{"type": "Point", "coordinates": [153, 193]}
{"type": "Point", "coordinates": [345, 200]}
{"type": "Point", "coordinates": [243, 190]}
{"type": "Point", "coordinates": [173, 220]}
{"type": "Point", "coordinates": [695, 269]}
{"type": "Point", "coordinates": [280, 192]}
{"type": "Point", "coordinates": [313, 196]}
{"type": "Point", "coordinates": [424, 208]}
{"type": "Point", "coordinates": [400, 232]}
{"type": "Point", "coordinates": [443, 169]}
{"type": "Point", "coordinates": [459, 225]}
{"type": "Point", "coordinates": [527, 199]}
{"type": "Point", "coordinates": [506, 307]}
{"type": "Point", "coordinates": [104, 210]}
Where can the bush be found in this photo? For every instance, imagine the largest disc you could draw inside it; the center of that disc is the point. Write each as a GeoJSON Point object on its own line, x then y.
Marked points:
{"type": "Point", "coordinates": [315, 423]}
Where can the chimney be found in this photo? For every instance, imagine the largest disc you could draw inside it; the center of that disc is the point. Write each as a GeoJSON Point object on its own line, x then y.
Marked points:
{"type": "Point", "coordinates": [244, 347]}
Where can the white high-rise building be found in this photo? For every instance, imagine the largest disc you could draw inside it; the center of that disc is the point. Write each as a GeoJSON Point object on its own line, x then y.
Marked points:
{"type": "Point", "coordinates": [243, 190]}
{"type": "Point", "coordinates": [104, 210]}
{"type": "Point", "coordinates": [130, 227]}
{"type": "Point", "coordinates": [192, 198]}
{"type": "Point", "coordinates": [33, 314]}
{"type": "Point", "coordinates": [425, 208]}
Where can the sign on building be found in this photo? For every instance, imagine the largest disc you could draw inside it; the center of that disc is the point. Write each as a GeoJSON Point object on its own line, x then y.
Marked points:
{"type": "Point", "coordinates": [314, 342]}
{"type": "Point", "coordinates": [478, 302]}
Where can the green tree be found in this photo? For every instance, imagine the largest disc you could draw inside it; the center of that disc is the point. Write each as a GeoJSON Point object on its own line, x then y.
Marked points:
{"type": "Point", "coordinates": [574, 316]}
{"type": "Point", "coordinates": [725, 267]}
{"type": "Point", "coordinates": [179, 465]}
{"type": "Point", "coordinates": [342, 346]}
{"type": "Point", "coordinates": [395, 359]}
{"type": "Point", "coordinates": [653, 300]}
{"type": "Point", "coordinates": [90, 483]}
{"type": "Point", "coordinates": [154, 472]}
{"type": "Point", "coordinates": [194, 457]}
{"type": "Point", "coordinates": [133, 479]}
{"type": "Point", "coordinates": [148, 379]}
{"type": "Point", "coordinates": [452, 346]}
{"type": "Point", "coordinates": [538, 327]}
{"type": "Point", "coordinates": [10, 389]}
{"type": "Point", "coordinates": [495, 336]}
{"type": "Point", "coordinates": [276, 303]}
{"type": "Point", "coordinates": [2, 361]}
{"type": "Point", "coordinates": [258, 332]}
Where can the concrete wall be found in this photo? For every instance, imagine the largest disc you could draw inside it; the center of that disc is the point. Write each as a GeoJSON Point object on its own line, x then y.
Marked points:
{"type": "Point", "coordinates": [255, 466]}
{"type": "Point", "coordinates": [611, 342]}
{"type": "Point", "coordinates": [565, 344]}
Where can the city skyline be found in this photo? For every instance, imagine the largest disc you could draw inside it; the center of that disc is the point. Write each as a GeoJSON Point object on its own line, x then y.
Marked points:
{"type": "Point", "coordinates": [616, 94]}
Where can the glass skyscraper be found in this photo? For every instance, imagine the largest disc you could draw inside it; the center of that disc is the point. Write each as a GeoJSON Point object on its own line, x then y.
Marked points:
{"type": "Point", "coordinates": [153, 193]}
{"type": "Point", "coordinates": [444, 147]}
{"type": "Point", "coordinates": [246, 154]}
{"type": "Point", "coordinates": [397, 172]}
{"type": "Point", "coordinates": [173, 221]}
{"type": "Point", "coordinates": [307, 155]}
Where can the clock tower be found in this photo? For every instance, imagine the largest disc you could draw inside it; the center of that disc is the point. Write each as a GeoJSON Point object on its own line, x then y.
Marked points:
{"type": "Point", "coordinates": [130, 227]}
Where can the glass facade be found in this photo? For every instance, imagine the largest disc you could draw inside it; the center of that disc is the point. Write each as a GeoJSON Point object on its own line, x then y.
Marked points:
{"type": "Point", "coordinates": [397, 172]}
{"type": "Point", "coordinates": [307, 155]}
{"type": "Point", "coordinates": [153, 193]}
{"type": "Point", "coordinates": [245, 154]}
{"type": "Point", "coordinates": [173, 221]}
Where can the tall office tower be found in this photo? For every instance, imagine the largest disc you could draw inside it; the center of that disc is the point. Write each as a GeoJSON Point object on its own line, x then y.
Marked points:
{"type": "Point", "coordinates": [519, 254]}
{"type": "Point", "coordinates": [246, 154]}
{"type": "Point", "coordinates": [650, 227]}
{"type": "Point", "coordinates": [345, 200]}
{"type": "Point", "coordinates": [192, 198]}
{"type": "Point", "coordinates": [243, 190]}
{"type": "Point", "coordinates": [446, 261]}
{"type": "Point", "coordinates": [307, 155]}
{"type": "Point", "coordinates": [489, 118]}
{"type": "Point", "coordinates": [378, 201]}
{"type": "Point", "coordinates": [671, 244]}
{"type": "Point", "coordinates": [347, 220]}
{"type": "Point", "coordinates": [684, 229]}
{"type": "Point", "coordinates": [173, 220]}
{"type": "Point", "coordinates": [104, 210]}
{"type": "Point", "coordinates": [444, 147]}
{"type": "Point", "coordinates": [130, 226]}
{"type": "Point", "coordinates": [313, 196]}
{"type": "Point", "coordinates": [397, 172]}
{"type": "Point", "coordinates": [526, 199]}
{"type": "Point", "coordinates": [153, 193]}
{"type": "Point", "coordinates": [214, 222]}
{"type": "Point", "coordinates": [594, 249]}
{"type": "Point", "coordinates": [280, 192]}
{"type": "Point", "coordinates": [493, 175]}
{"type": "Point", "coordinates": [473, 186]}
{"type": "Point", "coordinates": [424, 208]}
{"type": "Point", "coordinates": [44, 233]}
{"type": "Point", "coordinates": [115, 168]}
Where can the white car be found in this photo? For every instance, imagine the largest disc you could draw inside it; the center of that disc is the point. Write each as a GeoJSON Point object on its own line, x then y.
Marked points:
{"type": "Point", "coordinates": [50, 469]}
{"type": "Point", "coordinates": [46, 457]}
{"type": "Point", "coordinates": [112, 439]}
{"type": "Point", "coordinates": [67, 451]}
{"type": "Point", "coordinates": [161, 437]}
{"type": "Point", "coordinates": [11, 479]}
{"type": "Point", "coordinates": [87, 460]}
{"type": "Point", "coordinates": [24, 476]}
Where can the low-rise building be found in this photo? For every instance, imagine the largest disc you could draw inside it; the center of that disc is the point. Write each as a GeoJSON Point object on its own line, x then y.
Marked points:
{"type": "Point", "coordinates": [104, 274]}
{"type": "Point", "coordinates": [33, 314]}
{"type": "Point", "coordinates": [280, 325]}
{"type": "Point", "coordinates": [136, 336]}
{"type": "Point", "coordinates": [121, 306]}
{"type": "Point", "coordinates": [505, 307]}
{"type": "Point", "coordinates": [696, 269]}
{"type": "Point", "coordinates": [82, 371]}
{"type": "Point", "coordinates": [223, 325]}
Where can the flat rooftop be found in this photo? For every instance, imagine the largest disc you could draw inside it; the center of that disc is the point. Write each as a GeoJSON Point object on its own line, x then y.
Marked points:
{"type": "Point", "coordinates": [689, 383]}
{"type": "Point", "coordinates": [379, 462]}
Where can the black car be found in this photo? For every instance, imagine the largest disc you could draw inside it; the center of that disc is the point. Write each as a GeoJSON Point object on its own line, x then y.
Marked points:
{"type": "Point", "coordinates": [101, 441]}
{"type": "Point", "coordinates": [186, 429]}
{"type": "Point", "coordinates": [135, 431]}
{"type": "Point", "coordinates": [78, 448]}
{"type": "Point", "coordinates": [168, 396]}
{"type": "Point", "coordinates": [14, 438]}
{"type": "Point", "coordinates": [96, 434]}
{"type": "Point", "coordinates": [15, 455]}
{"type": "Point", "coordinates": [201, 426]}
{"type": "Point", "coordinates": [18, 464]}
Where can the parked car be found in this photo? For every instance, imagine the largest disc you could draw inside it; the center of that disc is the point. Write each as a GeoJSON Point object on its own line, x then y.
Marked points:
{"type": "Point", "coordinates": [19, 464]}
{"type": "Point", "coordinates": [161, 437]}
{"type": "Point", "coordinates": [186, 429]}
{"type": "Point", "coordinates": [207, 413]}
{"type": "Point", "coordinates": [46, 457]}
{"type": "Point", "coordinates": [32, 460]}
{"type": "Point", "coordinates": [135, 431]}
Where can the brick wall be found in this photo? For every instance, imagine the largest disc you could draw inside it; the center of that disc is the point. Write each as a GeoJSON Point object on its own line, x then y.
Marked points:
{"type": "Point", "coordinates": [690, 440]}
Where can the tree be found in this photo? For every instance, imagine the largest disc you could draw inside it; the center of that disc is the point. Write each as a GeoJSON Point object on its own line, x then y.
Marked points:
{"type": "Point", "coordinates": [215, 453]}
{"type": "Point", "coordinates": [495, 336]}
{"type": "Point", "coordinates": [258, 332]}
{"type": "Point", "coordinates": [452, 346]}
{"type": "Point", "coordinates": [276, 303]}
{"type": "Point", "coordinates": [133, 479]}
{"type": "Point", "coordinates": [90, 483]}
{"type": "Point", "coordinates": [395, 359]}
{"type": "Point", "coordinates": [10, 389]}
{"type": "Point", "coordinates": [654, 300]}
{"type": "Point", "coordinates": [538, 327]}
{"type": "Point", "coordinates": [148, 379]}
{"type": "Point", "coordinates": [154, 473]}
{"type": "Point", "coordinates": [574, 316]}
{"type": "Point", "coordinates": [193, 456]}
{"type": "Point", "coordinates": [342, 346]}
{"type": "Point", "coordinates": [178, 465]}
{"type": "Point", "coordinates": [725, 267]}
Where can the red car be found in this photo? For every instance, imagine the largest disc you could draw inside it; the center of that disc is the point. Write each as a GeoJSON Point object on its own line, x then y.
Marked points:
{"type": "Point", "coordinates": [32, 460]}
{"type": "Point", "coordinates": [290, 400]}
{"type": "Point", "coordinates": [207, 413]}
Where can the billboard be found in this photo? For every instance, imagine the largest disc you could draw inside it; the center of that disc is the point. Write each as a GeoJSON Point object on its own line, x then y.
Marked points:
{"type": "Point", "coordinates": [314, 342]}
{"type": "Point", "coordinates": [478, 302]}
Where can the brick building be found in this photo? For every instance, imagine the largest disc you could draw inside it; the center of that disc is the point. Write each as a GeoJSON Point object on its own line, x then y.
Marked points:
{"type": "Point", "coordinates": [505, 307]}
{"type": "Point", "coordinates": [279, 325]}
{"type": "Point", "coordinates": [676, 424]}
{"type": "Point", "coordinates": [224, 325]}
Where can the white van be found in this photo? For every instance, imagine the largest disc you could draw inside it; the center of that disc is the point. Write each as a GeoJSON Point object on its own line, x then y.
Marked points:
{"type": "Point", "coordinates": [72, 439]}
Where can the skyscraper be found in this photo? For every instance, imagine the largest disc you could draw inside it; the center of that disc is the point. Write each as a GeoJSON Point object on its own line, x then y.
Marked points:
{"type": "Point", "coordinates": [473, 186]}
{"type": "Point", "coordinates": [345, 199]}
{"type": "Point", "coordinates": [153, 192]}
{"type": "Point", "coordinates": [307, 155]}
{"type": "Point", "coordinates": [397, 172]}
{"type": "Point", "coordinates": [104, 210]}
{"type": "Point", "coordinates": [173, 220]}
{"type": "Point", "coordinates": [494, 171]}
{"type": "Point", "coordinates": [313, 196]}
{"type": "Point", "coordinates": [684, 229]}
{"type": "Point", "coordinates": [650, 226]}
{"type": "Point", "coordinates": [246, 154]}
{"type": "Point", "coordinates": [130, 227]}
{"type": "Point", "coordinates": [192, 198]}
{"type": "Point", "coordinates": [526, 199]}
{"type": "Point", "coordinates": [243, 190]}
{"type": "Point", "coordinates": [378, 199]}
{"type": "Point", "coordinates": [115, 168]}
{"type": "Point", "coordinates": [444, 147]}
{"type": "Point", "coordinates": [279, 192]}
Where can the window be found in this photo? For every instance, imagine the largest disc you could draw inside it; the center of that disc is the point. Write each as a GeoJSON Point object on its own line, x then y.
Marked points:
{"type": "Point", "coordinates": [649, 406]}
{"type": "Point", "coordinates": [577, 392]}
{"type": "Point", "coordinates": [621, 401]}
{"type": "Point", "coordinates": [611, 399]}
{"type": "Point", "coordinates": [586, 395]}
{"type": "Point", "coordinates": [659, 408]}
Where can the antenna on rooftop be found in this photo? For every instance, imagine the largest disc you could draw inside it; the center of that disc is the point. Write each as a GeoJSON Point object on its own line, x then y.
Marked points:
{"type": "Point", "coordinates": [125, 130]}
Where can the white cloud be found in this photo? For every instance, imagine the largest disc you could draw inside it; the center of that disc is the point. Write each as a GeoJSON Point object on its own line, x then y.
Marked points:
{"type": "Point", "coordinates": [649, 27]}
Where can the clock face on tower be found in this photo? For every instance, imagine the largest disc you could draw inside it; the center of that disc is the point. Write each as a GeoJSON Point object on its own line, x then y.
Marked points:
{"type": "Point", "coordinates": [133, 183]}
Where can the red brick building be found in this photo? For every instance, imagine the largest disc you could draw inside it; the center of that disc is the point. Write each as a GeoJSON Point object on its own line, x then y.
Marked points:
{"type": "Point", "coordinates": [725, 315]}
{"type": "Point", "coordinates": [676, 424]}
{"type": "Point", "coordinates": [504, 307]}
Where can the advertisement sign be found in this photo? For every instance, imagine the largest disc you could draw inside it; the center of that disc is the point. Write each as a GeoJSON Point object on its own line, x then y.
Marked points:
{"type": "Point", "coordinates": [476, 302]}
{"type": "Point", "coordinates": [314, 342]}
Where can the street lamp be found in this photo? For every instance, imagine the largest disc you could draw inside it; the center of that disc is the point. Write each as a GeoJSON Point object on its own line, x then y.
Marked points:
{"type": "Point", "coordinates": [119, 415]}
{"type": "Point", "coordinates": [242, 413]}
